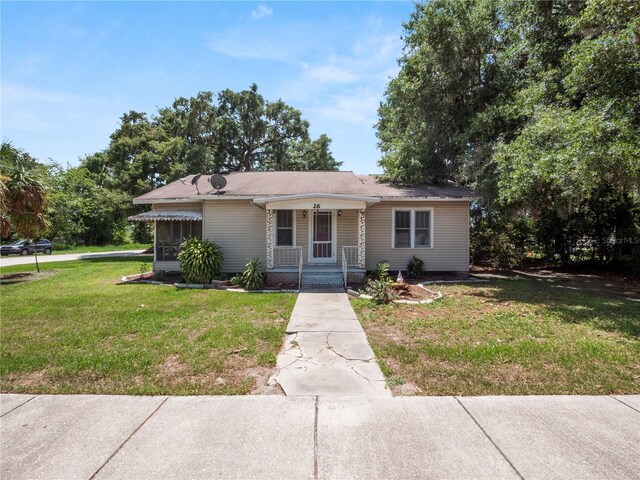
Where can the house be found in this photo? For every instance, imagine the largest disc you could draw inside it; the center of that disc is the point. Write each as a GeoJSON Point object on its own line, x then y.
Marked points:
{"type": "Point", "coordinates": [318, 227]}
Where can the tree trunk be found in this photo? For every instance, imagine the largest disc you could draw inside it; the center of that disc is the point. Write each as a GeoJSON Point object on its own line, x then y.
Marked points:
{"type": "Point", "coordinates": [35, 254]}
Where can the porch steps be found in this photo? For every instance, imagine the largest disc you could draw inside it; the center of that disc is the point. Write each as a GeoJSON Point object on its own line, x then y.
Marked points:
{"type": "Point", "coordinates": [322, 277]}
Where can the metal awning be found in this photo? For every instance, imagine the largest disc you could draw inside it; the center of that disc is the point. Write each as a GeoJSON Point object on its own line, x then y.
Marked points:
{"type": "Point", "coordinates": [167, 215]}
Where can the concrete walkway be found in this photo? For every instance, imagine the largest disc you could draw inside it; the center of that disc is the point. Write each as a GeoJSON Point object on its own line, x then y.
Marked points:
{"type": "Point", "coordinates": [65, 257]}
{"type": "Point", "coordinates": [326, 351]}
{"type": "Point", "coordinates": [264, 437]}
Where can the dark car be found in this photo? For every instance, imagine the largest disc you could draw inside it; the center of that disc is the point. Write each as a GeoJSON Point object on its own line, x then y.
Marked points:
{"type": "Point", "coordinates": [25, 247]}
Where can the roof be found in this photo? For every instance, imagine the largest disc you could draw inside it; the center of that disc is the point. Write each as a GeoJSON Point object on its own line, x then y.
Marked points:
{"type": "Point", "coordinates": [266, 184]}
{"type": "Point", "coordinates": [180, 215]}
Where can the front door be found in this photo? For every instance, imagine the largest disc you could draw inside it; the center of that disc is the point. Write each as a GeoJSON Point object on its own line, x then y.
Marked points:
{"type": "Point", "coordinates": [323, 249]}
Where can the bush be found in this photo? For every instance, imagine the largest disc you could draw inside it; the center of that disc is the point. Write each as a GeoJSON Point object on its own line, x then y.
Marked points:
{"type": "Point", "coordinates": [200, 261]}
{"type": "Point", "coordinates": [382, 271]}
{"type": "Point", "coordinates": [415, 267]}
{"type": "Point", "coordinates": [253, 275]}
{"type": "Point", "coordinates": [506, 254]}
{"type": "Point", "coordinates": [236, 280]}
{"type": "Point", "coordinates": [382, 291]}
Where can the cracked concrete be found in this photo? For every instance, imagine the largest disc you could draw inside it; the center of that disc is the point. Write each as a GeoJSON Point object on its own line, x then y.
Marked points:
{"type": "Point", "coordinates": [326, 351]}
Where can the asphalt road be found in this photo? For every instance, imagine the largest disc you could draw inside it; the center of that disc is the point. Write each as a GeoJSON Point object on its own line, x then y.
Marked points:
{"type": "Point", "coordinates": [28, 259]}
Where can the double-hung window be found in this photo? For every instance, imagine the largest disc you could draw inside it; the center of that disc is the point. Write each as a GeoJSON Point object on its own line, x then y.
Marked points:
{"type": "Point", "coordinates": [413, 228]}
{"type": "Point", "coordinates": [284, 228]}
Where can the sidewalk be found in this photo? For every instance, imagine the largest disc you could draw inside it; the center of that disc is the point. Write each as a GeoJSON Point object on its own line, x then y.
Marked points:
{"type": "Point", "coordinates": [108, 437]}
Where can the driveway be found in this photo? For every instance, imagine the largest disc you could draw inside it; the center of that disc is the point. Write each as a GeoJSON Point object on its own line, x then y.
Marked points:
{"type": "Point", "coordinates": [112, 437]}
{"type": "Point", "coordinates": [28, 259]}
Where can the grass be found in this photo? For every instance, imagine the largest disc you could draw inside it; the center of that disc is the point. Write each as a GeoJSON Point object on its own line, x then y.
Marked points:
{"type": "Point", "coordinates": [75, 330]}
{"type": "Point", "coordinates": [517, 336]}
{"type": "Point", "coordinates": [100, 248]}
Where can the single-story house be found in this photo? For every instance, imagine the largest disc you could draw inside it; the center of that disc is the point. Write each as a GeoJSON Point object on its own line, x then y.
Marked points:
{"type": "Point", "coordinates": [313, 228]}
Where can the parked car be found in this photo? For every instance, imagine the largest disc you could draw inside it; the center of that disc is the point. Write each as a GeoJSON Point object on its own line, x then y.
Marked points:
{"type": "Point", "coordinates": [25, 247]}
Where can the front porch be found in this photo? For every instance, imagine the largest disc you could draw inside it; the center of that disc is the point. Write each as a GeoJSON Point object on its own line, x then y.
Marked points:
{"type": "Point", "coordinates": [315, 240]}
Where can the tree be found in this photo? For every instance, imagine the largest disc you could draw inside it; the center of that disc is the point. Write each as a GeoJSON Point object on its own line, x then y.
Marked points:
{"type": "Point", "coordinates": [534, 104]}
{"type": "Point", "coordinates": [22, 195]}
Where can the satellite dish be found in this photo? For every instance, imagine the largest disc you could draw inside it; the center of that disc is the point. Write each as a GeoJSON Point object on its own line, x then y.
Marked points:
{"type": "Point", "coordinates": [194, 181]}
{"type": "Point", "coordinates": [217, 182]}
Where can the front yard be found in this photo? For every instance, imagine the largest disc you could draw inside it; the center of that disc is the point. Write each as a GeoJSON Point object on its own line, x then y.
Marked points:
{"type": "Point", "coordinates": [516, 336]}
{"type": "Point", "coordinates": [75, 330]}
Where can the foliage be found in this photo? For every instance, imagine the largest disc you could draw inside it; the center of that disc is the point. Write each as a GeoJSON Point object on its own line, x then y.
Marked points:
{"type": "Point", "coordinates": [381, 290]}
{"type": "Point", "coordinates": [200, 261]}
{"type": "Point", "coordinates": [236, 280]}
{"type": "Point", "coordinates": [253, 275]}
{"type": "Point", "coordinates": [534, 105]}
{"type": "Point", "coordinates": [382, 271]}
{"type": "Point", "coordinates": [415, 267]}
{"type": "Point", "coordinates": [23, 196]}
{"type": "Point", "coordinates": [144, 268]}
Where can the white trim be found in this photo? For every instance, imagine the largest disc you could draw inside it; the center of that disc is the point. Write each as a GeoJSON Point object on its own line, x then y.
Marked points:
{"type": "Point", "coordinates": [275, 230]}
{"type": "Point", "coordinates": [155, 237]}
{"type": "Point", "coordinates": [334, 238]}
{"type": "Point", "coordinates": [412, 227]}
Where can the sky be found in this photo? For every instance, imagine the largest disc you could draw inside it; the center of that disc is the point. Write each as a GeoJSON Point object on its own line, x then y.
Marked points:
{"type": "Point", "coordinates": [70, 70]}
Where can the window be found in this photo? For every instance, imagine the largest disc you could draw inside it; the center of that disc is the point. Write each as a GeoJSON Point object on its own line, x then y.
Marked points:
{"type": "Point", "coordinates": [169, 236]}
{"type": "Point", "coordinates": [284, 228]}
{"type": "Point", "coordinates": [422, 231]}
{"type": "Point", "coordinates": [412, 228]}
{"type": "Point", "coordinates": [403, 229]}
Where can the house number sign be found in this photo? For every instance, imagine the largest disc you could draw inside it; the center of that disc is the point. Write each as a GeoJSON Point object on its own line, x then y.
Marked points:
{"type": "Point", "coordinates": [316, 205]}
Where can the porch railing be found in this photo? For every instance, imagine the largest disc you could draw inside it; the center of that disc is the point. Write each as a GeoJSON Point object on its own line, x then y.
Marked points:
{"type": "Point", "coordinates": [349, 259]}
{"type": "Point", "coordinates": [287, 256]}
{"type": "Point", "coordinates": [350, 256]}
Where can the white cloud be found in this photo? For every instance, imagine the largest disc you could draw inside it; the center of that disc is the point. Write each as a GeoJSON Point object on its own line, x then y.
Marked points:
{"type": "Point", "coordinates": [261, 12]}
{"type": "Point", "coordinates": [330, 74]}
{"type": "Point", "coordinates": [357, 106]}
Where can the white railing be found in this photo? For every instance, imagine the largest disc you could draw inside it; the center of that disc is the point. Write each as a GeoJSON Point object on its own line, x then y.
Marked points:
{"type": "Point", "coordinates": [287, 256]}
{"type": "Point", "coordinates": [350, 256]}
{"type": "Point", "coordinates": [345, 267]}
{"type": "Point", "coordinates": [300, 271]}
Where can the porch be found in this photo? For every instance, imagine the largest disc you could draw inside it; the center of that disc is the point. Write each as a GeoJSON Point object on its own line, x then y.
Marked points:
{"type": "Point", "coordinates": [316, 240]}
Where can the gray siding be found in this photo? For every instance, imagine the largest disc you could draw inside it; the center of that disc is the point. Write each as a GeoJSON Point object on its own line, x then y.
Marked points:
{"type": "Point", "coordinates": [239, 227]}
{"type": "Point", "coordinates": [450, 250]}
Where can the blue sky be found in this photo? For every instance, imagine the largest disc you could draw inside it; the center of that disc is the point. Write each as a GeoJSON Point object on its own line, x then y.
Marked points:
{"type": "Point", "coordinates": [70, 70]}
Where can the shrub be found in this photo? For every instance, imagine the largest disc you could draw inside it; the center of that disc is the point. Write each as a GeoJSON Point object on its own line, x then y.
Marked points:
{"type": "Point", "coordinates": [506, 254]}
{"type": "Point", "coordinates": [236, 280]}
{"type": "Point", "coordinates": [253, 275]}
{"type": "Point", "coordinates": [382, 271]}
{"type": "Point", "coordinates": [200, 261]}
{"type": "Point", "coordinates": [415, 267]}
{"type": "Point", "coordinates": [382, 291]}
{"type": "Point", "coordinates": [144, 268]}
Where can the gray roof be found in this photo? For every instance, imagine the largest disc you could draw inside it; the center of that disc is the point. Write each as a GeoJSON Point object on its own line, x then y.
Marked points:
{"type": "Point", "coordinates": [265, 184]}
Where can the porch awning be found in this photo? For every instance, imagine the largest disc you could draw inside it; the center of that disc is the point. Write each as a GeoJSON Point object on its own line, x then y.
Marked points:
{"type": "Point", "coordinates": [167, 215]}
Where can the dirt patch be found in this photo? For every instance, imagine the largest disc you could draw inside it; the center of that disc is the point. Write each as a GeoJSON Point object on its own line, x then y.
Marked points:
{"type": "Point", "coordinates": [172, 369]}
{"type": "Point", "coordinates": [23, 277]}
{"type": "Point", "coordinates": [261, 383]}
{"type": "Point", "coordinates": [28, 380]}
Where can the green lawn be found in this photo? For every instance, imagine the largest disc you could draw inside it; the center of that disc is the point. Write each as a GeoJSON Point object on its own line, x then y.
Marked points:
{"type": "Point", "coordinates": [76, 330]}
{"type": "Point", "coordinates": [512, 336]}
{"type": "Point", "coordinates": [101, 248]}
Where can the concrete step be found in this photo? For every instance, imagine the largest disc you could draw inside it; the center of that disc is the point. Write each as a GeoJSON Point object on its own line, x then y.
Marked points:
{"type": "Point", "coordinates": [324, 279]}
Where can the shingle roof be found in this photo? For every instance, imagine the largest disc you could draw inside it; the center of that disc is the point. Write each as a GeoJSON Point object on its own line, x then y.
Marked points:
{"type": "Point", "coordinates": [264, 184]}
